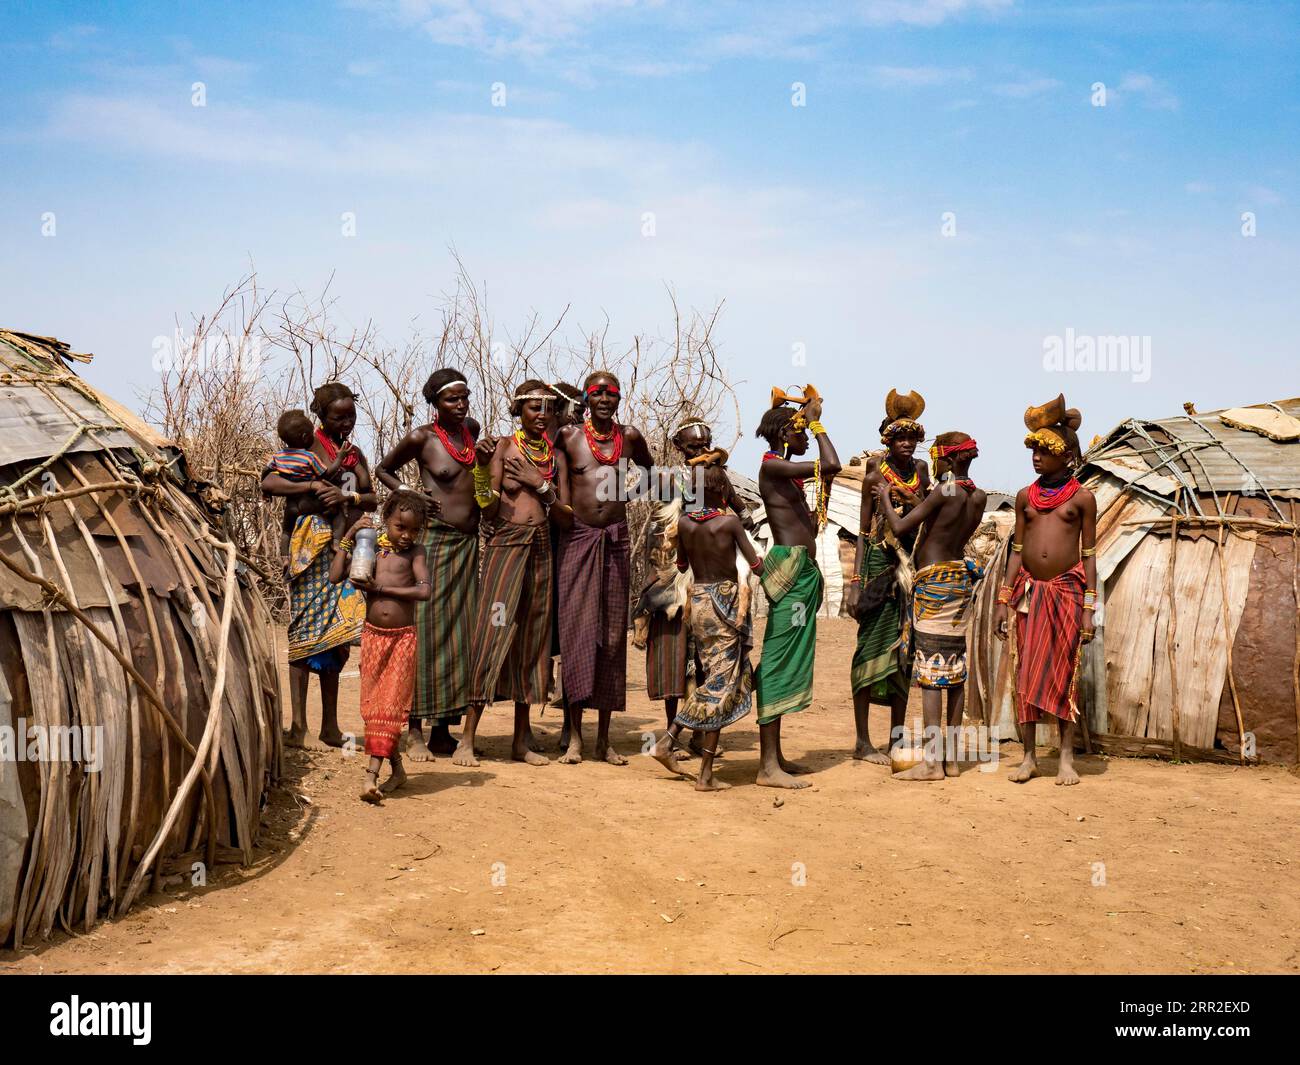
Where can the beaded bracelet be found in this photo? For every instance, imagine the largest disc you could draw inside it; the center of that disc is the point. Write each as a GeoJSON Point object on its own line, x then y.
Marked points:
{"type": "Point", "coordinates": [1015, 546]}
{"type": "Point", "coordinates": [1088, 552]}
{"type": "Point", "coordinates": [816, 428]}
{"type": "Point", "coordinates": [347, 544]}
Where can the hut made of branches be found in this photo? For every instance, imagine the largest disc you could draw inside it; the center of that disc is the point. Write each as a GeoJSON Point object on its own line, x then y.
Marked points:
{"type": "Point", "coordinates": [139, 704]}
{"type": "Point", "coordinates": [1197, 653]}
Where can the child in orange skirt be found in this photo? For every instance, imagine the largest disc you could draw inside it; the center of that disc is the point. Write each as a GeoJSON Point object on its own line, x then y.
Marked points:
{"type": "Point", "coordinates": [388, 643]}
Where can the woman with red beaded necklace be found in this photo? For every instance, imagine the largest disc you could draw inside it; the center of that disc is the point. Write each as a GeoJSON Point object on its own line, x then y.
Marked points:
{"type": "Point", "coordinates": [1051, 583]}
{"type": "Point", "coordinates": [594, 563]}
{"type": "Point", "coordinates": [446, 451]}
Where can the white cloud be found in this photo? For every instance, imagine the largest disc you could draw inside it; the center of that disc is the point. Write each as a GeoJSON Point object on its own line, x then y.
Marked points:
{"type": "Point", "coordinates": [916, 77]}
{"type": "Point", "coordinates": [1153, 94]}
{"type": "Point", "coordinates": [1026, 87]}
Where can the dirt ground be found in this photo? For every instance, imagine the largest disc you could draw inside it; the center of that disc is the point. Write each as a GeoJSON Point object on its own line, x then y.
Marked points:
{"type": "Point", "coordinates": [593, 868]}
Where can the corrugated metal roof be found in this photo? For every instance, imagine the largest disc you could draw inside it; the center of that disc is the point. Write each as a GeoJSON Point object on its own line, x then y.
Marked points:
{"type": "Point", "coordinates": [41, 413]}
{"type": "Point", "coordinates": [1209, 454]}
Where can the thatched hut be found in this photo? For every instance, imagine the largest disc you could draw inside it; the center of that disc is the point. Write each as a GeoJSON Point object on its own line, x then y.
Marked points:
{"type": "Point", "coordinates": [139, 703]}
{"type": "Point", "coordinates": [1197, 654]}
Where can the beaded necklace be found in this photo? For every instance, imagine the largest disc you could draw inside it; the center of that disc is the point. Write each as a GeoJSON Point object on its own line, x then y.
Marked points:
{"type": "Point", "coordinates": [537, 452]}
{"type": "Point", "coordinates": [331, 450]}
{"type": "Point", "coordinates": [1044, 497]}
{"type": "Point", "coordinates": [464, 454]}
{"type": "Point", "coordinates": [384, 544]}
{"type": "Point", "coordinates": [706, 514]}
{"type": "Point", "coordinates": [967, 484]}
{"type": "Point", "coordinates": [593, 438]}
{"type": "Point", "coordinates": [768, 456]}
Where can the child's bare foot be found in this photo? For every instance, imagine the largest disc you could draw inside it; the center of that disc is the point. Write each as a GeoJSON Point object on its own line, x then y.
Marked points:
{"type": "Point", "coordinates": [395, 779]}
{"type": "Point", "coordinates": [869, 752]}
{"type": "Point", "coordinates": [924, 771]}
{"type": "Point", "coordinates": [1027, 770]}
{"type": "Point", "coordinates": [416, 749]}
{"type": "Point", "coordinates": [606, 752]}
{"type": "Point", "coordinates": [464, 755]}
{"type": "Point", "coordinates": [780, 779]}
{"type": "Point", "coordinates": [371, 793]}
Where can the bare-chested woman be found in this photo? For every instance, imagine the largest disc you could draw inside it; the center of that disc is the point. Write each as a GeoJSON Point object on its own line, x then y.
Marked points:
{"type": "Point", "coordinates": [791, 581]}
{"type": "Point", "coordinates": [594, 562]}
{"type": "Point", "coordinates": [446, 451]}
{"type": "Point", "coordinates": [942, 593]}
{"type": "Point", "coordinates": [880, 672]}
{"type": "Point", "coordinates": [1051, 583]}
{"type": "Point", "coordinates": [325, 619]}
{"type": "Point", "coordinates": [515, 489]}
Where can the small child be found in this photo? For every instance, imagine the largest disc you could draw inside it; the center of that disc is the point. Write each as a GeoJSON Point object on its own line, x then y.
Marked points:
{"type": "Point", "coordinates": [707, 542]}
{"type": "Point", "coordinates": [388, 643]}
{"type": "Point", "coordinates": [297, 462]}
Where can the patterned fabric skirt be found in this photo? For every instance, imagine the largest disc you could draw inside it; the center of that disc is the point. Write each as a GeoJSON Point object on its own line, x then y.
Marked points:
{"type": "Point", "coordinates": [323, 617]}
{"type": "Point", "coordinates": [445, 624]}
{"type": "Point", "coordinates": [387, 681]}
{"type": "Point", "coordinates": [941, 597]}
{"type": "Point", "coordinates": [1049, 624]}
{"type": "Point", "coordinates": [666, 654]}
{"type": "Point", "coordinates": [879, 663]}
{"type": "Point", "coordinates": [512, 621]}
{"type": "Point", "coordinates": [594, 579]}
{"type": "Point", "coordinates": [724, 641]}
{"type": "Point", "coordinates": [793, 585]}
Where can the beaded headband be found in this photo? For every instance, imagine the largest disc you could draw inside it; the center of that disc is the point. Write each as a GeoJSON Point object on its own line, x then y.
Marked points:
{"type": "Point", "coordinates": [902, 427]}
{"type": "Point", "coordinates": [450, 384]}
{"type": "Point", "coordinates": [1054, 442]}
{"type": "Point", "coordinates": [939, 451]}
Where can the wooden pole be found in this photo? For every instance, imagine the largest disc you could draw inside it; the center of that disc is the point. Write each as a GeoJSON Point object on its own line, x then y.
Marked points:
{"type": "Point", "coordinates": [1228, 638]}
{"type": "Point", "coordinates": [1171, 642]}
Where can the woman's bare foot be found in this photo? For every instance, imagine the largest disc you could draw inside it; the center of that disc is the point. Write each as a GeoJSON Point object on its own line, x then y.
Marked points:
{"type": "Point", "coordinates": [780, 779]}
{"type": "Point", "coordinates": [416, 749]}
{"type": "Point", "coordinates": [534, 744]}
{"type": "Point", "coordinates": [573, 752]}
{"type": "Point", "coordinates": [606, 752]}
{"type": "Point", "coordinates": [332, 739]}
{"type": "Point", "coordinates": [925, 771]}
{"type": "Point", "coordinates": [791, 767]}
{"type": "Point", "coordinates": [1066, 774]}
{"type": "Point", "coordinates": [564, 736]}
{"type": "Point", "coordinates": [711, 784]}
{"type": "Point", "coordinates": [666, 755]}
{"type": "Point", "coordinates": [295, 737]}
{"type": "Point", "coordinates": [521, 752]}
{"type": "Point", "coordinates": [395, 779]}
{"type": "Point", "coordinates": [869, 752]}
{"type": "Point", "coordinates": [464, 755]}
{"type": "Point", "coordinates": [951, 767]}
{"type": "Point", "coordinates": [1027, 770]}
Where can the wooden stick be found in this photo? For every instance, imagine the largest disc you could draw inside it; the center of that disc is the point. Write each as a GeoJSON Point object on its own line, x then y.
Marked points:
{"type": "Point", "coordinates": [1248, 521]}
{"type": "Point", "coordinates": [1295, 591]}
{"type": "Point", "coordinates": [45, 498]}
{"type": "Point", "coordinates": [1228, 638]}
{"type": "Point", "coordinates": [1172, 637]}
{"type": "Point", "coordinates": [209, 731]}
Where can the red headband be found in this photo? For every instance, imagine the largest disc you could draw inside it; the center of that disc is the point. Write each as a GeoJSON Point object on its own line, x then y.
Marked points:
{"type": "Point", "coordinates": [953, 449]}
{"type": "Point", "coordinates": [611, 389]}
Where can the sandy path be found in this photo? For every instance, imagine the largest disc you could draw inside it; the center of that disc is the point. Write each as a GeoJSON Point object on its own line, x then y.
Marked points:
{"type": "Point", "coordinates": [605, 869]}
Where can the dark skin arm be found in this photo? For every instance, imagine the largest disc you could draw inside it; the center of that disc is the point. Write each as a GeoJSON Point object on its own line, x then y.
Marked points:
{"type": "Point", "coordinates": [562, 511]}
{"type": "Point", "coordinates": [928, 506]}
{"type": "Point", "coordinates": [420, 592]}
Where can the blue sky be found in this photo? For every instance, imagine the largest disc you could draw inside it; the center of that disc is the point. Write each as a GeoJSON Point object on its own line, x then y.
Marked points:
{"type": "Point", "coordinates": [818, 225]}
